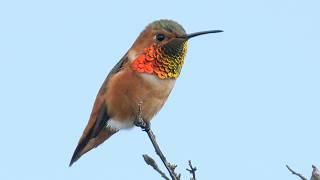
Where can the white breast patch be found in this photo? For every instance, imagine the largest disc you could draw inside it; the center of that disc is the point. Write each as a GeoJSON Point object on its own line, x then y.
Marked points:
{"type": "Point", "coordinates": [117, 125]}
{"type": "Point", "coordinates": [158, 83]}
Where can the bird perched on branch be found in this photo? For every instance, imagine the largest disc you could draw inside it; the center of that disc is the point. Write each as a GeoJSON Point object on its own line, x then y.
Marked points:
{"type": "Point", "coordinates": [141, 81]}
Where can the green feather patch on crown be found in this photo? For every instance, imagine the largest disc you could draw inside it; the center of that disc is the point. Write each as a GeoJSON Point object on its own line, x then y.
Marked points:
{"type": "Point", "coordinates": [168, 25]}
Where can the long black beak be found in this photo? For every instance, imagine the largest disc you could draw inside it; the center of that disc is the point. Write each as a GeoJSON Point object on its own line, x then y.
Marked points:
{"type": "Point", "coordinates": [188, 36]}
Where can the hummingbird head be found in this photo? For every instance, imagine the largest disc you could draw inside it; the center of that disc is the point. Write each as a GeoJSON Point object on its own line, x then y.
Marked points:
{"type": "Point", "coordinates": [161, 48]}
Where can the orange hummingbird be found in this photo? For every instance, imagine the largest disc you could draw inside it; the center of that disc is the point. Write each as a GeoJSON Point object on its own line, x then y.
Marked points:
{"type": "Point", "coordinates": [142, 79]}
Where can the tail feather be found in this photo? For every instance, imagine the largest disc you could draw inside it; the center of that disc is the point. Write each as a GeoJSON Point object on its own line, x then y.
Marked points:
{"type": "Point", "coordinates": [86, 144]}
{"type": "Point", "coordinates": [96, 131]}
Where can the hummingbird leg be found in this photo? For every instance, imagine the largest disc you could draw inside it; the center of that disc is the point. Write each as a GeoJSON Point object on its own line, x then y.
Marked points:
{"type": "Point", "coordinates": [139, 122]}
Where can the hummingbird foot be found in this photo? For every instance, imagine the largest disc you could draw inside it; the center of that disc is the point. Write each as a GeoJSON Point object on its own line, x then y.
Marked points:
{"type": "Point", "coordinates": [145, 126]}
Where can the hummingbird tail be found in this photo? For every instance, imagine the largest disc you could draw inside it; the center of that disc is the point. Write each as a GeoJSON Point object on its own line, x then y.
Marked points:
{"type": "Point", "coordinates": [87, 144]}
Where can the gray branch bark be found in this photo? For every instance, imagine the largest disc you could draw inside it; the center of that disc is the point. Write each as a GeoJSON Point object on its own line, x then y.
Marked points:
{"type": "Point", "coordinates": [145, 126]}
{"type": "Point", "coordinates": [295, 173]}
{"type": "Point", "coordinates": [315, 175]}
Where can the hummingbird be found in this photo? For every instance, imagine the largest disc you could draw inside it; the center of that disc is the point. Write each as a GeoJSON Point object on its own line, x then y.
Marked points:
{"type": "Point", "coordinates": [141, 81]}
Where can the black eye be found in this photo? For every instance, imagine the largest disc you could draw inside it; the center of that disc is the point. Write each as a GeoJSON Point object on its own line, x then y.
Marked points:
{"type": "Point", "coordinates": [160, 37]}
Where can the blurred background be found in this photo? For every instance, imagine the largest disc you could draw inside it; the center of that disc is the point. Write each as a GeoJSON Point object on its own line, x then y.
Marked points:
{"type": "Point", "coordinates": [246, 104]}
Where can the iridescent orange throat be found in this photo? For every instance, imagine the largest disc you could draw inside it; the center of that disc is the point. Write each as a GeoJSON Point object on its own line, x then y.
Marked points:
{"type": "Point", "coordinates": [164, 62]}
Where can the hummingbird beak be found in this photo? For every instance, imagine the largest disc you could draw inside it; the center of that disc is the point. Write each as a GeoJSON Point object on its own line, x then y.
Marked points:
{"type": "Point", "coordinates": [188, 36]}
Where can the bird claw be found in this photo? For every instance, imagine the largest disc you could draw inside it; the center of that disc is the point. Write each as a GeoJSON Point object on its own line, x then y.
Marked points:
{"type": "Point", "coordinates": [145, 126]}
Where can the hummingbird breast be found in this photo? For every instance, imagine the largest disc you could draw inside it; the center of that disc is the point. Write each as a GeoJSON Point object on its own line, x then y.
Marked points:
{"type": "Point", "coordinates": [127, 90]}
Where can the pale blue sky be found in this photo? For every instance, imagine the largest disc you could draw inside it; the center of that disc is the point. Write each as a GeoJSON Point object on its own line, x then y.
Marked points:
{"type": "Point", "coordinates": [247, 101]}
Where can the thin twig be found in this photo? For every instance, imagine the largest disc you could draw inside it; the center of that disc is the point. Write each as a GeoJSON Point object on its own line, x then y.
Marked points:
{"type": "Point", "coordinates": [297, 174]}
{"type": "Point", "coordinates": [192, 171]}
{"type": "Point", "coordinates": [147, 129]}
{"type": "Point", "coordinates": [173, 169]}
{"type": "Point", "coordinates": [153, 164]}
{"type": "Point", "coordinates": [160, 154]}
{"type": "Point", "coordinates": [145, 126]}
{"type": "Point", "coordinates": [315, 173]}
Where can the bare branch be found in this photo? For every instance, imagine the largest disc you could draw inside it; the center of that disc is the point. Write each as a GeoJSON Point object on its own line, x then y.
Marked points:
{"type": "Point", "coordinates": [315, 175]}
{"type": "Point", "coordinates": [145, 126]}
{"type": "Point", "coordinates": [192, 171]}
{"type": "Point", "coordinates": [173, 169]}
{"type": "Point", "coordinates": [297, 174]}
{"type": "Point", "coordinates": [153, 164]}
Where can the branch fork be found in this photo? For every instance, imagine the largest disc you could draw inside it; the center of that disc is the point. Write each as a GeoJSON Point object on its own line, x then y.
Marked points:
{"type": "Point", "coordinates": [145, 126]}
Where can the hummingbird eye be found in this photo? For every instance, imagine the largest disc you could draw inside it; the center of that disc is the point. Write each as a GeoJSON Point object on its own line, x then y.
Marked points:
{"type": "Point", "coordinates": [160, 37]}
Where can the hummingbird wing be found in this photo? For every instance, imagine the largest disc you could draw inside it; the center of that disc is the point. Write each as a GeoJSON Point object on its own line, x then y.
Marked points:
{"type": "Point", "coordinates": [96, 131]}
